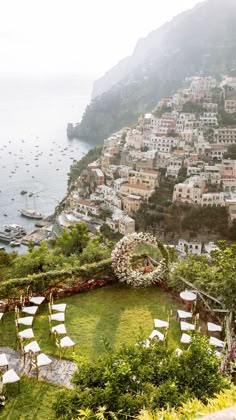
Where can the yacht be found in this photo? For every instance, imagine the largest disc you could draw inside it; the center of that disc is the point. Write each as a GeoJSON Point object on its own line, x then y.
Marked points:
{"type": "Point", "coordinates": [31, 214]}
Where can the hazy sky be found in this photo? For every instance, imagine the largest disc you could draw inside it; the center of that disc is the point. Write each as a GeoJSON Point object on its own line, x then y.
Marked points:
{"type": "Point", "coordinates": [76, 36]}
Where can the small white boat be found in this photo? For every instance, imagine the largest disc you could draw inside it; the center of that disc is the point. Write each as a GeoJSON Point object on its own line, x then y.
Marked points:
{"type": "Point", "coordinates": [15, 244]}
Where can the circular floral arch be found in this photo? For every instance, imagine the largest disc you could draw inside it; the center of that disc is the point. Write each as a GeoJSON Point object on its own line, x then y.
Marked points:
{"type": "Point", "coordinates": [122, 261]}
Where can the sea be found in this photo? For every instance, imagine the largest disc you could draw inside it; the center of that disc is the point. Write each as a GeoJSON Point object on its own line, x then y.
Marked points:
{"type": "Point", "coordinates": [35, 153]}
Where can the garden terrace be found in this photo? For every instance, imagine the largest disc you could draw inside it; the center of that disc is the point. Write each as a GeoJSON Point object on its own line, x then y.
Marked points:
{"type": "Point", "coordinates": [120, 314]}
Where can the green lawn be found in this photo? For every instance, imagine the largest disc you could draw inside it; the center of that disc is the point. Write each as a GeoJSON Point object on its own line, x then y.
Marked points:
{"type": "Point", "coordinates": [33, 401]}
{"type": "Point", "coordinates": [119, 313]}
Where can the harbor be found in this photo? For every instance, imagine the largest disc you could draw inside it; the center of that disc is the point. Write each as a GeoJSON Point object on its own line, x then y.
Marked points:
{"type": "Point", "coordinates": [12, 236]}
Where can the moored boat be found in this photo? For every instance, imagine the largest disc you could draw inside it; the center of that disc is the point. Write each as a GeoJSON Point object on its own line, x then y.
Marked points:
{"type": "Point", "coordinates": [15, 243]}
{"type": "Point", "coordinates": [31, 214]}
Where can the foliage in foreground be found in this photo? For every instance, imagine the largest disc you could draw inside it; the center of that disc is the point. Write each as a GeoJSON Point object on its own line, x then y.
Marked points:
{"type": "Point", "coordinates": [135, 378]}
{"type": "Point", "coordinates": [194, 408]}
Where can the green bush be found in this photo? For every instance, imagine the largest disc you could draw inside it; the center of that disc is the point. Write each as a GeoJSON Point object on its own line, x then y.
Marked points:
{"type": "Point", "coordinates": [41, 282]}
{"type": "Point", "coordinates": [136, 377]}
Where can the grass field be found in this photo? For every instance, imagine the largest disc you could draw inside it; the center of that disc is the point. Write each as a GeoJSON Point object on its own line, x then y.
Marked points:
{"type": "Point", "coordinates": [118, 313]}
{"type": "Point", "coordinates": [32, 402]}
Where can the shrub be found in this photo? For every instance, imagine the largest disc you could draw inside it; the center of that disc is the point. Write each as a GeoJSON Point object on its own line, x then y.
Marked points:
{"type": "Point", "coordinates": [40, 283]}
{"type": "Point", "coordinates": [136, 377]}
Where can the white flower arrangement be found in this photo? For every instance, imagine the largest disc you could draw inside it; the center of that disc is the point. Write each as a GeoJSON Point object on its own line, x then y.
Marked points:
{"type": "Point", "coordinates": [122, 257]}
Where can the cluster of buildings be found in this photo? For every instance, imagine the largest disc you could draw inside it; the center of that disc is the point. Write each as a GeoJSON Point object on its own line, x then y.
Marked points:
{"type": "Point", "coordinates": [183, 135]}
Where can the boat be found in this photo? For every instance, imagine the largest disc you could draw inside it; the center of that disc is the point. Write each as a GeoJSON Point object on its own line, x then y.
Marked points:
{"type": "Point", "coordinates": [23, 192]}
{"type": "Point", "coordinates": [4, 237]}
{"type": "Point", "coordinates": [15, 243]}
{"type": "Point", "coordinates": [15, 229]}
{"type": "Point", "coordinates": [31, 214]}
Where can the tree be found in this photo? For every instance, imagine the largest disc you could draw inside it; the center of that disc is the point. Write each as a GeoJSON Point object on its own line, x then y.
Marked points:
{"type": "Point", "coordinates": [36, 260]}
{"type": "Point", "coordinates": [136, 377]}
{"type": "Point", "coordinates": [109, 234]}
{"type": "Point", "coordinates": [73, 241]}
{"type": "Point", "coordinates": [215, 275]}
{"type": "Point", "coordinates": [95, 251]}
{"type": "Point", "coordinates": [105, 213]}
{"type": "Point", "coordinates": [231, 152]}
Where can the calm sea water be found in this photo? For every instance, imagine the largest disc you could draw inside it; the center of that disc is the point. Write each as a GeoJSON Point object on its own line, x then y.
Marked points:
{"type": "Point", "coordinates": [35, 154]}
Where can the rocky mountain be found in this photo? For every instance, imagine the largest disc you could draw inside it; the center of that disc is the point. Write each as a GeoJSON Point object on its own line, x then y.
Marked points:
{"type": "Point", "coordinates": [199, 41]}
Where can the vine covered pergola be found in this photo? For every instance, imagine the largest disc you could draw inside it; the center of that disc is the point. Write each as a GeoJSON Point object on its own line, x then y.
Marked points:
{"type": "Point", "coordinates": [122, 261]}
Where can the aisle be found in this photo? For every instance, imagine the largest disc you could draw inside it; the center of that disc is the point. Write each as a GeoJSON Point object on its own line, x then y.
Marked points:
{"type": "Point", "coordinates": [60, 374]}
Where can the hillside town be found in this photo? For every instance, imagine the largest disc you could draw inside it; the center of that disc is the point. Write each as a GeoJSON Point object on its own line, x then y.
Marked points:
{"type": "Point", "coordinates": [184, 134]}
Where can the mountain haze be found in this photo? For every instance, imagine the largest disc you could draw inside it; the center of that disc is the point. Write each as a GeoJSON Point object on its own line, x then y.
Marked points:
{"type": "Point", "coordinates": [199, 41]}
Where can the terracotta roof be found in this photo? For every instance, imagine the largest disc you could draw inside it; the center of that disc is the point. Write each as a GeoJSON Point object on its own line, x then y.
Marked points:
{"type": "Point", "coordinates": [150, 171]}
{"type": "Point", "coordinates": [137, 186]}
{"type": "Point", "coordinates": [85, 202]}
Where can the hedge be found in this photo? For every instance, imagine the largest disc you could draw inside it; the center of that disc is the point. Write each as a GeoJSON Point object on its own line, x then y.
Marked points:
{"type": "Point", "coordinates": [40, 283]}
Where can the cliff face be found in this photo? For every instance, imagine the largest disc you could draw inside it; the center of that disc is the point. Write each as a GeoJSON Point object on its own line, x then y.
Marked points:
{"type": "Point", "coordinates": [199, 41]}
{"type": "Point", "coordinates": [207, 24]}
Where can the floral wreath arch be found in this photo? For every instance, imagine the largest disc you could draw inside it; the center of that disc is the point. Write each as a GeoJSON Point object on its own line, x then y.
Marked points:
{"type": "Point", "coordinates": [122, 257]}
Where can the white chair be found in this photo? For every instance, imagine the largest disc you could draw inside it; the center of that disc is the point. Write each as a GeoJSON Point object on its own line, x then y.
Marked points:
{"type": "Point", "coordinates": [27, 320]}
{"type": "Point", "coordinates": [10, 377]}
{"type": "Point", "coordinates": [1, 316]}
{"type": "Point", "coordinates": [25, 349]}
{"type": "Point", "coordinates": [185, 339]}
{"type": "Point", "coordinates": [158, 323]}
{"type": "Point", "coordinates": [184, 314]}
{"type": "Point", "coordinates": [63, 343]}
{"type": "Point", "coordinates": [157, 334]}
{"type": "Point", "coordinates": [211, 327]}
{"type": "Point", "coordinates": [30, 310]}
{"type": "Point", "coordinates": [186, 326]}
{"type": "Point", "coordinates": [36, 300]}
{"type": "Point", "coordinates": [39, 361]}
{"type": "Point", "coordinates": [58, 307]}
{"type": "Point", "coordinates": [3, 361]}
{"type": "Point", "coordinates": [60, 317]}
{"type": "Point", "coordinates": [60, 328]}
{"type": "Point", "coordinates": [26, 334]}
{"type": "Point", "coordinates": [216, 342]}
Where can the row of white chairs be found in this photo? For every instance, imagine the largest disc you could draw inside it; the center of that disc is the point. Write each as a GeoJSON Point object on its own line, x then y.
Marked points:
{"type": "Point", "coordinates": [182, 316]}
{"type": "Point", "coordinates": [10, 376]}
{"type": "Point", "coordinates": [57, 313]}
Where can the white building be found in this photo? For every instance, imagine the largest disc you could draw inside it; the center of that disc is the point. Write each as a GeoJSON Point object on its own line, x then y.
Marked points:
{"type": "Point", "coordinates": [212, 174]}
{"type": "Point", "coordinates": [225, 135]}
{"type": "Point", "coordinates": [161, 144]}
{"type": "Point", "coordinates": [190, 191]}
{"type": "Point", "coordinates": [213, 199]}
{"type": "Point", "coordinates": [209, 119]}
{"type": "Point", "coordinates": [192, 247]}
{"type": "Point", "coordinates": [230, 106]}
{"type": "Point", "coordinates": [193, 170]}
{"type": "Point", "coordinates": [173, 167]}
